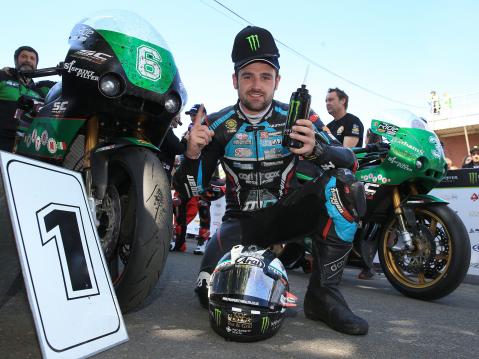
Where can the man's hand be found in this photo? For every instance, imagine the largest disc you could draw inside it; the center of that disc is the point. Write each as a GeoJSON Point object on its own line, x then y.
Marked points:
{"type": "Point", "coordinates": [303, 131]}
{"type": "Point", "coordinates": [199, 136]}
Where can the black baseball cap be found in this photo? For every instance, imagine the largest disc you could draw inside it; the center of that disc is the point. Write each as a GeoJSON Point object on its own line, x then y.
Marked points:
{"type": "Point", "coordinates": [194, 109]}
{"type": "Point", "coordinates": [474, 149]}
{"type": "Point", "coordinates": [253, 44]}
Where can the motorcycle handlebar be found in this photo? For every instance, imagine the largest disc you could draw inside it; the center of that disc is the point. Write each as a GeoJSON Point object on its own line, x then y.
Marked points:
{"type": "Point", "coordinates": [49, 71]}
{"type": "Point", "coordinates": [379, 147]}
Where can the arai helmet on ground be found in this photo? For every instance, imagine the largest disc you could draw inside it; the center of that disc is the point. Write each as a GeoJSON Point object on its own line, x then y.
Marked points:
{"type": "Point", "coordinates": [248, 294]}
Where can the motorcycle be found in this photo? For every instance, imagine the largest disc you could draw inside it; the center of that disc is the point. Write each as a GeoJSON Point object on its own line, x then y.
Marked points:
{"type": "Point", "coordinates": [119, 92]}
{"type": "Point", "coordinates": [422, 244]}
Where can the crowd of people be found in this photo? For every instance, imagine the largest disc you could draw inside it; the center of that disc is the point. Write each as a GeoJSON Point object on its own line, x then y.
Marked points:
{"type": "Point", "coordinates": [260, 185]}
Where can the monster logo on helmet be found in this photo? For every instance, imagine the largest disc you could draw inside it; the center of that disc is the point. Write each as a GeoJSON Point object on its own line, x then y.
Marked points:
{"type": "Point", "coordinates": [254, 44]}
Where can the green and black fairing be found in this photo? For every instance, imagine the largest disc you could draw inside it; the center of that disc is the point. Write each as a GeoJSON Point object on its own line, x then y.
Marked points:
{"type": "Point", "coordinates": [119, 69]}
{"type": "Point", "coordinates": [123, 47]}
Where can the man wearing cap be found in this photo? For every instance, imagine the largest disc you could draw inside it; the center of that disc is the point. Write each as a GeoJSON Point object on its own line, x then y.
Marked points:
{"type": "Point", "coordinates": [264, 204]}
{"type": "Point", "coordinates": [474, 158]}
{"type": "Point", "coordinates": [12, 86]}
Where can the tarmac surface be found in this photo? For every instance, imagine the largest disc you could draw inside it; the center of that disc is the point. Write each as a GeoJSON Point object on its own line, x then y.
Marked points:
{"type": "Point", "coordinates": [172, 324]}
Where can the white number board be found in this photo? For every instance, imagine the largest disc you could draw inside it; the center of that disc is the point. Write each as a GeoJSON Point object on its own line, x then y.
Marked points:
{"type": "Point", "coordinates": [72, 298]}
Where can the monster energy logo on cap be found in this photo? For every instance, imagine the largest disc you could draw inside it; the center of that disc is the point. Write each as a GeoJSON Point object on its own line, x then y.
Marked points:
{"type": "Point", "coordinates": [264, 324]}
{"type": "Point", "coordinates": [253, 41]}
{"type": "Point", "coordinates": [217, 316]}
{"type": "Point", "coordinates": [473, 177]}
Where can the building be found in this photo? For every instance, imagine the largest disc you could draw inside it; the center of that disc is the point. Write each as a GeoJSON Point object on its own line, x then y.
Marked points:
{"type": "Point", "coordinates": [457, 126]}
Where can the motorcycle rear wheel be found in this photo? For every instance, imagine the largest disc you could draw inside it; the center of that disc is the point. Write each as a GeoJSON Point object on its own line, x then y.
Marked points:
{"type": "Point", "coordinates": [135, 224]}
{"type": "Point", "coordinates": [440, 260]}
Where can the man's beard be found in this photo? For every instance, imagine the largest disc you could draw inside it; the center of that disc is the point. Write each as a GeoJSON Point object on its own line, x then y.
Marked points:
{"type": "Point", "coordinates": [256, 106]}
{"type": "Point", "coordinates": [25, 67]}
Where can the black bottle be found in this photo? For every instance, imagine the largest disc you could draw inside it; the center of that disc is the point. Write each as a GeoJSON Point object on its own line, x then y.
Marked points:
{"type": "Point", "coordinates": [298, 109]}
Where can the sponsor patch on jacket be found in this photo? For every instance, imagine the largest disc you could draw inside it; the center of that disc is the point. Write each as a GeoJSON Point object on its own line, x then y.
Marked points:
{"type": "Point", "coordinates": [231, 125]}
{"type": "Point", "coordinates": [355, 129]}
{"type": "Point", "coordinates": [243, 152]}
{"type": "Point", "coordinates": [12, 83]}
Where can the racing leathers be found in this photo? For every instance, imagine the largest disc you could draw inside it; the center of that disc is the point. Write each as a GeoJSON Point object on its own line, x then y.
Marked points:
{"type": "Point", "coordinates": [266, 205]}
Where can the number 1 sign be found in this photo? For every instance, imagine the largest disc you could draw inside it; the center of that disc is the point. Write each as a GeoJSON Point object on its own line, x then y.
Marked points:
{"type": "Point", "coordinates": [67, 281]}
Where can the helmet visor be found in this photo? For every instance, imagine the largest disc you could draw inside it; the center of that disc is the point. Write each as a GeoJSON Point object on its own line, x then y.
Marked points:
{"type": "Point", "coordinates": [247, 284]}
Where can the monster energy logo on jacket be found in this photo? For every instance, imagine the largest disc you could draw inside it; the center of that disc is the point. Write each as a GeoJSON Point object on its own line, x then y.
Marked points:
{"type": "Point", "coordinates": [264, 324]}
{"type": "Point", "coordinates": [217, 316]}
{"type": "Point", "coordinates": [253, 41]}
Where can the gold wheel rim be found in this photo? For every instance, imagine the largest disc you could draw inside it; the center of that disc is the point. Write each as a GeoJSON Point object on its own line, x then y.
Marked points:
{"type": "Point", "coordinates": [419, 280]}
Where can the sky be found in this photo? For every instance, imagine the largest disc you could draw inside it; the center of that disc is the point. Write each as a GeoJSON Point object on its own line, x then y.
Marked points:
{"type": "Point", "coordinates": [397, 50]}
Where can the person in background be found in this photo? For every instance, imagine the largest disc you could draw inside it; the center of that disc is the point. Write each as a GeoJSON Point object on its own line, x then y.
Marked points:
{"type": "Point", "coordinates": [367, 270]}
{"type": "Point", "coordinates": [450, 165]}
{"type": "Point", "coordinates": [185, 210]}
{"type": "Point", "coordinates": [13, 85]}
{"type": "Point", "coordinates": [347, 128]}
{"type": "Point", "coordinates": [171, 147]}
{"type": "Point", "coordinates": [474, 158]}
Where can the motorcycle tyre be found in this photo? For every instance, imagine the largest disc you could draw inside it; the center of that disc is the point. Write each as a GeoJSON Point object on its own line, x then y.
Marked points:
{"type": "Point", "coordinates": [459, 260]}
{"type": "Point", "coordinates": [152, 218]}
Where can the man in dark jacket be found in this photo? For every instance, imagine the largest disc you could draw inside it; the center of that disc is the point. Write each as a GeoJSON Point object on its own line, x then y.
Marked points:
{"type": "Point", "coordinates": [12, 86]}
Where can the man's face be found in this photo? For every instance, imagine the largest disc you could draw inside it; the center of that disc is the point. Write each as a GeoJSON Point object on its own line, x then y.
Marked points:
{"type": "Point", "coordinates": [333, 103]}
{"type": "Point", "coordinates": [256, 84]}
{"type": "Point", "coordinates": [475, 156]}
{"type": "Point", "coordinates": [26, 60]}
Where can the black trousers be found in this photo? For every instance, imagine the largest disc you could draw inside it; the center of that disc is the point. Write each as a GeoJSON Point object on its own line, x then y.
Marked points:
{"type": "Point", "coordinates": [304, 212]}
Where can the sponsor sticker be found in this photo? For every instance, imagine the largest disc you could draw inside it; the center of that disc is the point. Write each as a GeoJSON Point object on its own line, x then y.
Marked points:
{"type": "Point", "coordinates": [83, 33]}
{"type": "Point", "coordinates": [411, 147]}
{"type": "Point", "coordinates": [387, 129]}
{"type": "Point", "coordinates": [92, 56]}
{"type": "Point", "coordinates": [28, 141]}
{"type": "Point", "coordinates": [59, 107]}
{"type": "Point", "coordinates": [44, 137]}
{"type": "Point", "coordinates": [52, 146]}
{"type": "Point", "coordinates": [251, 261]}
{"type": "Point", "coordinates": [38, 143]}
{"type": "Point", "coordinates": [399, 164]}
{"type": "Point", "coordinates": [83, 73]}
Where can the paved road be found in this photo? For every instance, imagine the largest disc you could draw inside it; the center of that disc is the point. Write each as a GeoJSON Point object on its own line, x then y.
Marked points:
{"type": "Point", "coordinates": [172, 325]}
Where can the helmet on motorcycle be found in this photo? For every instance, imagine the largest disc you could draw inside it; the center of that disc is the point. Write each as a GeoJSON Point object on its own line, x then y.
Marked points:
{"type": "Point", "coordinates": [248, 293]}
{"type": "Point", "coordinates": [254, 44]}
